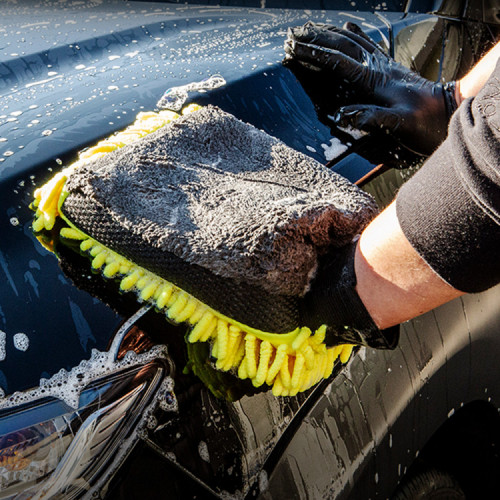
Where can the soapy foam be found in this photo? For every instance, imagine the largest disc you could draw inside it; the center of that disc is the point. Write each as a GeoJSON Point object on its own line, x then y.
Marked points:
{"type": "Point", "coordinates": [67, 386]}
{"type": "Point", "coordinates": [175, 97]}
{"type": "Point", "coordinates": [334, 149]}
{"type": "Point", "coordinates": [3, 337]}
{"type": "Point", "coordinates": [21, 341]}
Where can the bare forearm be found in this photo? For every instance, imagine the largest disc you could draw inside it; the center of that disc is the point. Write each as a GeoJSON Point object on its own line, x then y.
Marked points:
{"type": "Point", "coordinates": [393, 281]}
{"type": "Point", "coordinates": [473, 81]}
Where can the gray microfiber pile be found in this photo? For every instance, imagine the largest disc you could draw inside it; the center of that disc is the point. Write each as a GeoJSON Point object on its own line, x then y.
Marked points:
{"type": "Point", "coordinates": [226, 196]}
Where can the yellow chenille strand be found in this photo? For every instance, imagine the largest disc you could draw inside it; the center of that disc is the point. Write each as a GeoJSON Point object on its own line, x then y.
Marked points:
{"type": "Point", "coordinates": [130, 280]}
{"type": "Point", "coordinates": [275, 367]}
{"type": "Point", "coordinates": [96, 249]}
{"type": "Point", "coordinates": [250, 355]}
{"type": "Point", "coordinates": [200, 328]}
{"type": "Point", "coordinates": [298, 371]}
{"type": "Point", "coordinates": [215, 348]}
{"type": "Point", "coordinates": [319, 336]}
{"type": "Point", "coordinates": [188, 310]}
{"type": "Point", "coordinates": [46, 199]}
{"type": "Point", "coordinates": [164, 295]}
{"type": "Point", "coordinates": [212, 326]}
{"type": "Point", "coordinates": [234, 341]}
{"type": "Point", "coordinates": [330, 360]}
{"type": "Point", "coordinates": [309, 357]}
{"type": "Point", "coordinates": [303, 335]}
{"type": "Point", "coordinates": [111, 269]}
{"type": "Point", "coordinates": [197, 314]}
{"type": "Point", "coordinates": [266, 350]}
{"type": "Point", "coordinates": [222, 339]}
{"type": "Point", "coordinates": [177, 306]}
{"type": "Point", "coordinates": [72, 234]}
{"type": "Point", "coordinates": [142, 282]}
{"type": "Point", "coordinates": [277, 387]}
{"type": "Point", "coordinates": [284, 373]}
{"type": "Point", "coordinates": [99, 259]}
{"type": "Point", "coordinates": [240, 353]}
{"type": "Point", "coordinates": [86, 245]}
{"type": "Point", "coordinates": [149, 289]}
{"type": "Point", "coordinates": [346, 353]}
{"type": "Point", "coordinates": [242, 371]}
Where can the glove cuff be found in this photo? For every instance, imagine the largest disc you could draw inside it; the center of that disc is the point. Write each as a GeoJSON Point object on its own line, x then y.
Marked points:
{"type": "Point", "coordinates": [450, 101]}
{"type": "Point", "coordinates": [357, 325]}
{"type": "Point", "coordinates": [334, 301]}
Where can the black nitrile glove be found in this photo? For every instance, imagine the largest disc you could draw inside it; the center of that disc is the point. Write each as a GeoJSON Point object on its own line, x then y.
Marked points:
{"type": "Point", "coordinates": [333, 300]}
{"type": "Point", "coordinates": [390, 96]}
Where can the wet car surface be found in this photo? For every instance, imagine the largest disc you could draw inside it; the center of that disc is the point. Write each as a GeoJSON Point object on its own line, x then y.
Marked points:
{"type": "Point", "coordinates": [74, 73]}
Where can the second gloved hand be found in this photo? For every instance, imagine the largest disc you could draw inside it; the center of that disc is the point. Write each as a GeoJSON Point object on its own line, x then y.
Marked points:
{"type": "Point", "coordinates": [333, 300]}
{"type": "Point", "coordinates": [391, 97]}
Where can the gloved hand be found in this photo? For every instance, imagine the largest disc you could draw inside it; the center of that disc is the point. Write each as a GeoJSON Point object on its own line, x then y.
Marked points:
{"type": "Point", "coordinates": [333, 300]}
{"type": "Point", "coordinates": [391, 97]}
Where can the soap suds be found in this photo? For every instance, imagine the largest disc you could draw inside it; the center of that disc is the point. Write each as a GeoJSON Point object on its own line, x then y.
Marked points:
{"type": "Point", "coordinates": [203, 451]}
{"type": "Point", "coordinates": [21, 341]}
{"type": "Point", "coordinates": [334, 149]}
{"type": "Point", "coordinates": [3, 336]}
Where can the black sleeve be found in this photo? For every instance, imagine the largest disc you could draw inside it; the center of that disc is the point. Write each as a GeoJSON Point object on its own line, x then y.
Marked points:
{"type": "Point", "coordinates": [450, 209]}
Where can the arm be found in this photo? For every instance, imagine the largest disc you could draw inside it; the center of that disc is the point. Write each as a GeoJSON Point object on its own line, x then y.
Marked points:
{"type": "Point", "coordinates": [441, 236]}
{"type": "Point", "coordinates": [405, 286]}
{"type": "Point", "coordinates": [473, 82]}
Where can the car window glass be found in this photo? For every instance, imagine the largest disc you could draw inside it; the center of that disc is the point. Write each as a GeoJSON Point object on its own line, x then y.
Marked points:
{"type": "Point", "coordinates": [419, 47]}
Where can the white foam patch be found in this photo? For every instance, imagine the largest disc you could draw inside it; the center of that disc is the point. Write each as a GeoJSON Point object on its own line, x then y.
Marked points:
{"type": "Point", "coordinates": [175, 97]}
{"type": "Point", "coordinates": [3, 337]}
{"type": "Point", "coordinates": [21, 341]}
{"type": "Point", "coordinates": [203, 451]}
{"type": "Point", "coordinates": [263, 481]}
{"type": "Point", "coordinates": [334, 149]}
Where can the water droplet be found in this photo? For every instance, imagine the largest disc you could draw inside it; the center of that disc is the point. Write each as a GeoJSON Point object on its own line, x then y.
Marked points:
{"type": "Point", "coordinates": [47, 132]}
{"type": "Point", "coordinates": [14, 221]}
{"type": "Point", "coordinates": [8, 153]}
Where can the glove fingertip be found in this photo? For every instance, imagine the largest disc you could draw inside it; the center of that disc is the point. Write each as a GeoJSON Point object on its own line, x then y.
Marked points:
{"type": "Point", "coordinates": [346, 115]}
{"type": "Point", "coordinates": [352, 27]}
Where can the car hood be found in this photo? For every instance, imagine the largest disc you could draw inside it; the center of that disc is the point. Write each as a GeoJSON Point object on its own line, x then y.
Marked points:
{"type": "Point", "coordinates": [71, 75]}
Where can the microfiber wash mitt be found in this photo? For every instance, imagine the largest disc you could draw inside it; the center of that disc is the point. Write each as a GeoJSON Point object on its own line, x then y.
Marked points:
{"type": "Point", "coordinates": [220, 225]}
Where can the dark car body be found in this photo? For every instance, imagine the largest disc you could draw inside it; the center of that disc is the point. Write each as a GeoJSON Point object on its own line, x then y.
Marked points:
{"type": "Point", "coordinates": [98, 398]}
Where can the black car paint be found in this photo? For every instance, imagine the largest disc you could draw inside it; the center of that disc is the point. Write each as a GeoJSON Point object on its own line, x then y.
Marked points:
{"type": "Point", "coordinates": [353, 436]}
